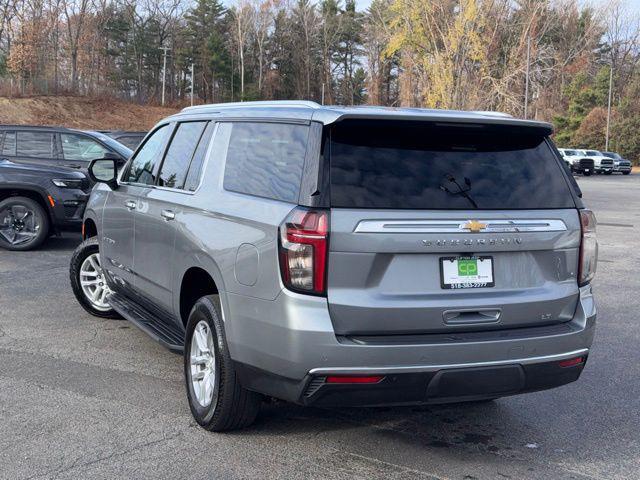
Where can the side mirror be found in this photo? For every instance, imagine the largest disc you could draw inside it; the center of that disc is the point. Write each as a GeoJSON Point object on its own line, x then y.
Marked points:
{"type": "Point", "coordinates": [104, 170]}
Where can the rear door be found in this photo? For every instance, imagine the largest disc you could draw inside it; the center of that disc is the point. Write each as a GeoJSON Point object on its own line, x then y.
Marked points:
{"type": "Point", "coordinates": [445, 228]}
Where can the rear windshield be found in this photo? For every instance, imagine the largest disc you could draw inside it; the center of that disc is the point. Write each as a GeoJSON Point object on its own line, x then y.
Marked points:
{"type": "Point", "coordinates": [410, 165]}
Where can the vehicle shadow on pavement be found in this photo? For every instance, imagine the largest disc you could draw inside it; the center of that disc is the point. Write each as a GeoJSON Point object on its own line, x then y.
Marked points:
{"type": "Point", "coordinates": [67, 241]}
{"type": "Point", "coordinates": [422, 438]}
{"type": "Point", "coordinates": [478, 425]}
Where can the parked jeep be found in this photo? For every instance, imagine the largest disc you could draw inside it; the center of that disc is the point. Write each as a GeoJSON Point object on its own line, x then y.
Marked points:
{"type": "Point", "coordinates": [338, 256]}
{"type": "Point", "coordinates": [58, 146]}
{"type": "Point", "coordinates": [38, 201]}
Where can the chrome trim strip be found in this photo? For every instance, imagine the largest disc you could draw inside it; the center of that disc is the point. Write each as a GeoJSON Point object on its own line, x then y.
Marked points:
{"type": "Point", "coordinates": [458, 226]}
{"type": "Point", "coordinates": [433, 368]}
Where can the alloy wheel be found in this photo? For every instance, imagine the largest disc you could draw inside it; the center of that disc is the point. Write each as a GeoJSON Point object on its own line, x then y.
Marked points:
{"type": "Point", "coordinates": [18, 224]}
{"type": "Point", "coordinates": [203, 363]}
{"type": "Point", "coordinates": [93, 283]}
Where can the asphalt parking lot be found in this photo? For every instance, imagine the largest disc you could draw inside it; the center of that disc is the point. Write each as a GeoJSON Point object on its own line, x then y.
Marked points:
{"type": "Point", "coordinates": [82, 397]}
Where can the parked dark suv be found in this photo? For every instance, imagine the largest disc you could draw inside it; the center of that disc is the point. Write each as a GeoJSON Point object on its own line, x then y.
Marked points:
{"type": "Point", "coordinates": [41, 193]}
{"type": "Point", "coordinates": [57, 146]}
{"type": "Point", "coordinates": [37, 201]}
{"type": "Point", "coordinates": [345, 256]}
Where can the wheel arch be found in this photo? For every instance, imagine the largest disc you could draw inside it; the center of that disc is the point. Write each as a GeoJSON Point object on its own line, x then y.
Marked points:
{"type": "Point", "coordinates": [89, 227]}
{"type": "Point", "coordinates": [200, 278]}
{"type": "Point", "coordinates": [34, 193]}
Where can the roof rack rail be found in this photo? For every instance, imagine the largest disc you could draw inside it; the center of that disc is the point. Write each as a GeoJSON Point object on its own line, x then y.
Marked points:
{"type": "Point", "coordinates": [273, 103]}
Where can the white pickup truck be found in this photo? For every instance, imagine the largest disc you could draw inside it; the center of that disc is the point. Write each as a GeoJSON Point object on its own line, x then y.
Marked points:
{"type": "Point", "coordinates": [578, 161]}
{"type": "Point", "coordinates": [601, 162]}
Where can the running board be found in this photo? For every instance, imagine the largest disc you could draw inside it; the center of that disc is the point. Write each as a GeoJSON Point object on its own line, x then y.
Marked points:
{"type": "Point", "coordinates": [161, 331]}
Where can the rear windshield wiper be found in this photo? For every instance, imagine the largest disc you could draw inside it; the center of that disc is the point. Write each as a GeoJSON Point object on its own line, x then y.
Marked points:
{"type": "Point", "coordinates": [461, 190]}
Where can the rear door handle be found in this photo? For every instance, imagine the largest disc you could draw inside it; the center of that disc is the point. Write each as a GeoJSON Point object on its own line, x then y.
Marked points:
{"type": "Point", "coordinates": [130, 204]}
{"type": "Point", "coordinates": [168, 215]}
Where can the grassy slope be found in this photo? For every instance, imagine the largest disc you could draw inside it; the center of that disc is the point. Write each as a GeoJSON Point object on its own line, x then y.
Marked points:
{"type": "Point", "coordinates": [80, 112]}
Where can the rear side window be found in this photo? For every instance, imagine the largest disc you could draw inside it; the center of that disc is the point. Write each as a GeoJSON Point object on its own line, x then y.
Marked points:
{"type": "Point", "coordinates": [265, 159]}
{"type": "Point", "coordinates": [9, 145]}
{"type": "Point", "coordinates": [35, 144]}
{"type": "Point", "coordinates": [179, 154]}
{"type": "Point", "coordinates": [411, 165]}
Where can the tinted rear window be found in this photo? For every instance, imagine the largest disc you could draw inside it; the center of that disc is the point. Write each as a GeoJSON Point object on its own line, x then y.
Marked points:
{"type": "Point", "coordinates": [265, 159]}
{"type": "Point", "coordinates": [409, 165]}
{"type": "Point", "coordinates": [35, 144]}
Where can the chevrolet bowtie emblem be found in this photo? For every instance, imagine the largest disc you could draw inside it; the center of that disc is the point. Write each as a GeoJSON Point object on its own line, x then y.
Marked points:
{"type": "Point", "coordinates": [474, 226]}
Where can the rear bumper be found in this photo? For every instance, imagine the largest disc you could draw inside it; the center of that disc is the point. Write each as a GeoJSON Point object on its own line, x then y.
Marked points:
{"type": "Point", "coordinates": [446, 384]}
{"type": "Point", "coordinates": [291, 348]}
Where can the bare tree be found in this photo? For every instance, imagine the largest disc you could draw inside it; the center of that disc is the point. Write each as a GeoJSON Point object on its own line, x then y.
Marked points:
{"type": "Point", "coordinates": [242, 15]}
{"type": "Point", "coordinates": [75, 13]}
{"type": "Point", "coordinates": [262, 24]}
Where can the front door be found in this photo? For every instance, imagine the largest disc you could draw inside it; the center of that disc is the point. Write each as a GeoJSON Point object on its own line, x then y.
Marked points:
{"type": "Point", "coordinates": [159, 212]}
{"type": "Point", "coordinates": [117, 237]}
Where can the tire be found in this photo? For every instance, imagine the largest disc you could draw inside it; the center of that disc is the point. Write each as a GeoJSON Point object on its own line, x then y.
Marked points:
{"type": "Point", "coordinates": [626, 173]}
{"type": "Point", "coordinates": [24, 224]}
{"type": "Point", "coordinates": [587, 173]}
{"type": "Point", "coordinates": [608, 173]}
{"type": "Point", "coordinates": [82, 265]}
{"type": "Point", "coordinates": [225, 404]}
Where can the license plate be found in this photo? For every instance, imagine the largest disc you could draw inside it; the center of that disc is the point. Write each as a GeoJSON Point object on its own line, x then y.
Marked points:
{"type": "Point", "coordinates": [466, 272]}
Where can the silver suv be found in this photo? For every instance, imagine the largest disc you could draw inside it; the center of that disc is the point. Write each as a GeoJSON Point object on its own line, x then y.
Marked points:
{"type": "Point", "coordinates": [342, 256]}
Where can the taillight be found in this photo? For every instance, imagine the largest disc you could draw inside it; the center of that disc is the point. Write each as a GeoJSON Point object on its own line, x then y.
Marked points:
{"type": "Point", "coordinates": [304, 238]}
{"type": "Point", "coordinates": [588, 248]}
